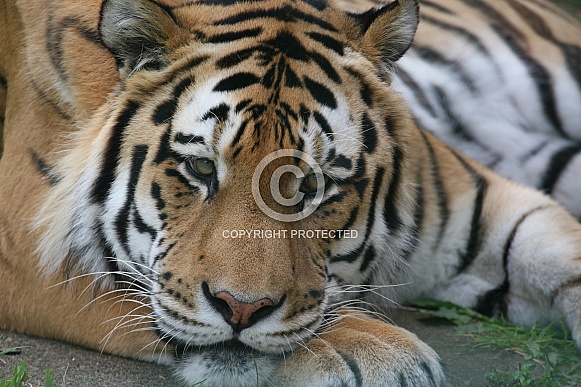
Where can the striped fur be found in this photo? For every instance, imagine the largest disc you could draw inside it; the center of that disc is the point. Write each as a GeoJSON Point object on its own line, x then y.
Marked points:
{"type": "Point", "coordinates": [501, 82]}
{"type": "Point", "coordinates": [154, 171]}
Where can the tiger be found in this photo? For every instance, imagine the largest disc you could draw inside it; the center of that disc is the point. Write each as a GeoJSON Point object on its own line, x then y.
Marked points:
{"type": "Point", "coordinates": [232, 187]}
{"type": "Point", "coordinates": [506, 93]}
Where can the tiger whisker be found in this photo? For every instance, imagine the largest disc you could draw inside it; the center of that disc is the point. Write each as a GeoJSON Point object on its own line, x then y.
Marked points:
{"type": "Point", "coordinates": [130, 263]}
{"type": "Point", "coordinates": [302, 343]}
{"type": "Point", "coordinates": [119, 324]}
{"type": "Point", "coordinates": [124, 295]}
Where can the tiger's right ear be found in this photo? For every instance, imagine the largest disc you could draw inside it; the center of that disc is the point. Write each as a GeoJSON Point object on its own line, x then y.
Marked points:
{"type": "Point", "coordinates": [386, 32]}
{"type": "Point", "coordinates": [138, 33]}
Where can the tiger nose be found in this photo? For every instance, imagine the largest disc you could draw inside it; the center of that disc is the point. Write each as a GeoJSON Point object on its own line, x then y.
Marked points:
{"type": "Point", "coordinates": [240, 315]}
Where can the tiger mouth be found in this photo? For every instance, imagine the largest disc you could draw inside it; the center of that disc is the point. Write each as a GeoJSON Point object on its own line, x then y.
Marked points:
{"type": "Point", "coordinates": [234, 346]}
{"type": "Point", "coordinates": [232, 352]}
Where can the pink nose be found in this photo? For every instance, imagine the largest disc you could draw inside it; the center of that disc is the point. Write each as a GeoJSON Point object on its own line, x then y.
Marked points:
{"type": "Point", "coordinates": [241, 313]}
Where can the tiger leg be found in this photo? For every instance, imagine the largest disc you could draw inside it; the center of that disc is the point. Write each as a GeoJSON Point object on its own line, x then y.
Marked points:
{"type": "Point", "coordinates": [528, 268]}
{"type": "Point", "coordinates": [358, 350]}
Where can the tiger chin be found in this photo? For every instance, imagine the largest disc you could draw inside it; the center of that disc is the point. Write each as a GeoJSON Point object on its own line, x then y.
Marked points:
{"type": "Point", "coordinates": [144, 220]}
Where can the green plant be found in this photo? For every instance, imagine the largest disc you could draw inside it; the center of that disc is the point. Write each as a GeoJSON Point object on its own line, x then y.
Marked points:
{"type": "Point", "coordinates": [20, 371]}
{"type": "Point", "coordinates": [19, 376]}
{"type": "Point", "coordinates": [550, 358]}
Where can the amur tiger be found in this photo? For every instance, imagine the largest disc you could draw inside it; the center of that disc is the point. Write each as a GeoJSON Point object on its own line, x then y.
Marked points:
{"type": "Point", "coordinates": [224, 186]}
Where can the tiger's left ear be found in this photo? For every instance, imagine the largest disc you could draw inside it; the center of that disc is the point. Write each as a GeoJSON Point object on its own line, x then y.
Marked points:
{"type": "Point", "coordinates": [138, 33]}
{"type": "Point", "coordinates": [387, 31]}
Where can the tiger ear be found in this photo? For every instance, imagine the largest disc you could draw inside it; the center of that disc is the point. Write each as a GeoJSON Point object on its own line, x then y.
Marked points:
{"type": "Point", "coordinates": [137, 32]}
{"type": "Point", "coordinates": [387, 31]}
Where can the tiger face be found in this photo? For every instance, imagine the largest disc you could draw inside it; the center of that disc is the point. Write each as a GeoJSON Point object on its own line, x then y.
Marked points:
{"type": "Point", "coordinates": [247, 152]}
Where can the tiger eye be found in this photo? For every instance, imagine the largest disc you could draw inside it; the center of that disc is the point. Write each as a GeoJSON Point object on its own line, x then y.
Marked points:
{"type": "Point", "coordinates": [203, 167]}
{"type": "Point", "coordinates": [311, 183]}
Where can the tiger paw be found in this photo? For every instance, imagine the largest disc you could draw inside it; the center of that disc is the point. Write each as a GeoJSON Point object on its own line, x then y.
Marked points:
{"type": "Point", "coordinates": [361, 351]}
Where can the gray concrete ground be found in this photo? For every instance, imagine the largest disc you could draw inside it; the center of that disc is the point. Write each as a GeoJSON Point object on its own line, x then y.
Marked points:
{"type": "Point", "coordinates": [74, 366]}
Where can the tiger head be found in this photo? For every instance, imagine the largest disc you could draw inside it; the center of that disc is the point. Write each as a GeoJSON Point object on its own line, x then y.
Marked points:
{"type": "Point", "coordinates": [245, 168]}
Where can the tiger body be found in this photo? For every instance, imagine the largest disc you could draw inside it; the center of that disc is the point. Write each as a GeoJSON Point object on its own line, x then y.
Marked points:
{"type": "Point", "coordinates": [501, 84]}
{"type": "Point", "coordinates": [139, 145]}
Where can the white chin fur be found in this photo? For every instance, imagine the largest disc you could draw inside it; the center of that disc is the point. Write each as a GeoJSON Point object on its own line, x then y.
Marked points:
{"type": "Point", "coordinates": [226, 369]}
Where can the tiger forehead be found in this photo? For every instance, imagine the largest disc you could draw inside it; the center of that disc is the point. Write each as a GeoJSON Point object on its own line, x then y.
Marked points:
{"type": "Point", "coordinates": [274, 74]}
{"type": "Point", "coordinates": [263, 29]}
{"type": "Point", "coordinates": [211, 16]}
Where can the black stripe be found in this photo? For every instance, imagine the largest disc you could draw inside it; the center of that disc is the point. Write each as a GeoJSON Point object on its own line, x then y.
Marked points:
{"type": "Point", "coordinates": [337, 198]}
{"type": "Point", "coordinates": [365, 19]}
{"type": "Point", "coordinates": [110, 157]}
{"type": "Point", "coordinates": [416, 228]}
{"type": "Point", "coordinates": [342, 162]}
{"type": "Point", "coordinates": [572, 53]}
{"type": "Point", "coordinates": [305, 114]}
{"type": "Point", "coordinates": [164, 151]}
{"type": "Point", "coordinates": [56, 105]}
{"type": "Point", "coordinates": [350, 221]}
{"type": "Point", "coordinates": [175, 173]}
{"type": "Point", "coordinates": [165, 111]}
{"type": "Point", "coordinates": [453, 68]}
{"type": "Point", "coordinates": [354, 367]}
{"type": "Point", "coordinates": [143, 227]}
{"type": "Point", "coordinates": [326, 66]}
{"type": "Point", "coordinates": [329, 42]}
{"type": "Point", "coordinates": [46, 170]}
{"type": "Point", "coordinates": [55, 37]}
{"type": "Point", "coordinates": [360, 186]}
{"type": "Point", "coordinates": [365, 90]}
{"type": "Point", "coordinates": [368, 258]}
{"type": "Point", "coordinates": [557, 165]}
{"type": "Point", "coordinates": [369, 134]}
{"type": "Point", "coordinates": [237, 81]}
{"type": "Point", "coordinates": [188, 139]}
{"type": "Point", "coordinates": [535, 151]}
{"type": "Point", "coordinates": [219, 113]}
{"type": "Point", "coordinates": [457, 128]}
{"type": "Point", "coordinates": [428, 370]}
{"type": "Point", "coordinates": [360, 168]}
{"type": "Point", "coordinates": [168, 11]}
{"type": "Point", "coordinates": [462, 33]}
{"type": "Point", "coordinates": [286, 14]}
{"type": "Point", "coordinates": [239, 132]}
{"type": "Point", "coordinates": [324, 124]}
{"type": "Point", "coordinates": [287, 44]}
{"type": "Point", "coordinates": [235, 35]}
{"type": "Point", "coordinates": [320, 93]}
{"type": "Point", "coordinates": [418, 92]}
{"type": "Point", "coordinates": [573, 283]}
{"type": "Point", "coordinates": [3, 82]}
{"type": "Point", "coordinates": [439, 7]}
{"type": "Point", "coordinates": [500, 293]}
{"type": "Point", "coordinates": [235, 58]}
{"type": "Point", "coordinates": [442, 198]}
{"type": "Point", "coordinates": [318, 4]}
{"type": "Point", "coordinates": [474, 242]}
{"type": "Point", "coordinates": [155, 192]}
{"type": "Point", "coordinates": [242, 105]}
{"type": "Point", "coordinates": [121, 220]}
{"type": "Point", "coordinates": [291, 79]}
{"type": "Point", "coordinates": [352, 256]}
{"type": "Point", "coordinates": [507, 31]}
{"type": "Point", "coordinates": [390, 208]}
{"type": "Point", "coordinates": [185, 68]}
